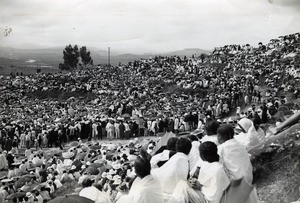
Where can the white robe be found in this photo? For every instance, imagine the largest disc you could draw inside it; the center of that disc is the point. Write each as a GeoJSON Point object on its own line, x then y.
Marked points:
{"type": "Point", "coordinates": [174, 170]}
{"type": "Point", "coordinates": [146, 190]}
{"type": "Point", "coordinates": [236, 160]}
{"type": "Point", "coordinates": [214, 180]}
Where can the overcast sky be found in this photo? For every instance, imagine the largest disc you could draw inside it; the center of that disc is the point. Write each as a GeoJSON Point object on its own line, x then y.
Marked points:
{"type": "Point", "coordinates": [139, 26]}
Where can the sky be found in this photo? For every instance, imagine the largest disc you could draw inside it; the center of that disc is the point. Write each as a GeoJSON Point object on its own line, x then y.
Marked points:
{"type": "Point", "coordinates": [145, 26]}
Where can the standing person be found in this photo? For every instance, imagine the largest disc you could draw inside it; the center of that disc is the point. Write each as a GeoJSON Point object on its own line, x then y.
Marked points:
{"type": "Point", "coordinates": [110, 129]}
{"type": "Point", "coordinates": [176, 124]}
{"type": "Point", "coordinates": [122, 130]}
{"type": "Point", "coordinates": [40, 140]}
{"type": "Point", "coordinates": [28, 139]}
{"type": "Point", "coordinates": [117, 130]}
{"type": "Point", "coordinates": [127, 130]}
{"type": "Point", "coordinates": [264, 115]}
{"type": "Point", "coordinates": [94, 130]}
{"type": "Point", "coordinates": [99, 130]}
{"type": "Point", "coordinates": [8, 144]}
{"type": "Point", "coordinates": [22, 140]}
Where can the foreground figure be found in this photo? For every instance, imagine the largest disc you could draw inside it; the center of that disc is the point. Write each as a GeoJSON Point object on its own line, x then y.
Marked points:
{"type": "Point", "coordinates": [145, 189]}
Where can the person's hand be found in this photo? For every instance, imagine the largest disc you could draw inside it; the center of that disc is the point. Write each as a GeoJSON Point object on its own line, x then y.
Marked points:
{"type": "Point", "coordinates": [195, 184]}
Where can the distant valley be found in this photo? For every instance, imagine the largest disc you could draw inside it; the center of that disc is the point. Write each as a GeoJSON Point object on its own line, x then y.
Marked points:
{"type": "Point", "coordinates": [51, 57]}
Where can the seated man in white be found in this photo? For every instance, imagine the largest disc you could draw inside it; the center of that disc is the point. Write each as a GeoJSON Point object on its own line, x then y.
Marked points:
{"type": "Point", "coordinates": [233, 155]}
{"type": "Point", "coordinates": [211, 183]}
{"type": "Point", "coordinates": [160, 159]}
{"type": "Point", "coordinates": [211, 128]}
{"type": "Point", "coordinates": [176, 169]}
{"type": "Point", "coordinates": [145, 189]}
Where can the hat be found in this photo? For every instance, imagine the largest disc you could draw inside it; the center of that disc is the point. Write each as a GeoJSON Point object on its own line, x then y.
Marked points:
{"type": "Point", "coordinates": [73, 167]}
{"type": "Point", "coordinates": [28, 194]}
{"type": "Point", "coordinates": [104, 175]}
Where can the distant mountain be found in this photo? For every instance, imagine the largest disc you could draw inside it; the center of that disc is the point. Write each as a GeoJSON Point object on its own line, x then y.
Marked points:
{"type": "Point", "coordinates": [54, 56]}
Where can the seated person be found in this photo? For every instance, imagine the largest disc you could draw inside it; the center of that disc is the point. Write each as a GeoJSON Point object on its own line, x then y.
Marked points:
{"type": "Point", "coordinates": [211, 128]}
{"type": "Point", "coordinates": [247, 134]}
{"type": "Point", "coordinates": [91, 192]}
{"type": "Point", "coordinates": [211, 183]}
{"type": "Point", "coordinates": [233, 155]}
{"type": "Point", "coordinates": [160, 159]}
{"type": "Point", "coordinates": [175, 169]}
{"type": "Point", "coordinates": [145, 188]}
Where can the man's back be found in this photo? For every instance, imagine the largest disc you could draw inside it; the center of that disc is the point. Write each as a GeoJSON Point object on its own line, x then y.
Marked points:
{"type": "Point", "coordinates": [236, 160]}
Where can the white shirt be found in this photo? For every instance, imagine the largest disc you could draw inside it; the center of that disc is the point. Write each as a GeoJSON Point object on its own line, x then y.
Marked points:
{"type": "Point", "coordinates": [235, 160]}
{"type": "Point", "coordinates": [146, 190]}
{"type": "Point", "coordinates": [214, 180]}
{"type": "Point", "coordinates": [210, 138]}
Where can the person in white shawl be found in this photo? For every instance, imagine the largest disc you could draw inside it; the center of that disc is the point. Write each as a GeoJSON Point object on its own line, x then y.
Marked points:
{"type": "Point", "coordinates": [145, 188]}
{"type": "Point", "coordinates": [159, 159]}
{"type": "Point", "coordinates": [174, 170]}
{"type": "Point", "coordinates": [248, 135]}
{"type": "Point", "coordinates": [233, 155]}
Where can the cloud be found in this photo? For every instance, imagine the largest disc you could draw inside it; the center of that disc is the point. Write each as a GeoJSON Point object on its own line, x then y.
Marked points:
{"type": "Point", "coordinates": [143, 25]}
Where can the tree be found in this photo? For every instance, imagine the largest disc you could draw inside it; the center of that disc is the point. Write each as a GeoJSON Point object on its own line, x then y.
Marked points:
{"type": "Point", "coordinates": [85, 56]}
{"type": "Point", "coordinates": [71, 58]}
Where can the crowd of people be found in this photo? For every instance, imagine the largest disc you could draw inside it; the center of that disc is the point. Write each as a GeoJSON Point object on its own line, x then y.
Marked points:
{"type": "Point", "coordinates": [194, 168]}
{"type": "Point", "coordinates": [155, 96]}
